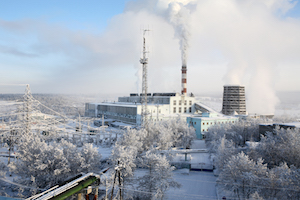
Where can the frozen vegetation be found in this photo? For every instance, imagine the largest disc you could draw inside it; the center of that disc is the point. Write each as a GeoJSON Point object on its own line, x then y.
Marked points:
{"type": "Point", "coordinates": [248, 165]}
{"type": "Point", "coordinates": [267, 169]}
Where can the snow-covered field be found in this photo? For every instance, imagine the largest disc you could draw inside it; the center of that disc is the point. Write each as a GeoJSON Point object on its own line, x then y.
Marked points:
{"type": "Point", "coordinates": [195, 185]}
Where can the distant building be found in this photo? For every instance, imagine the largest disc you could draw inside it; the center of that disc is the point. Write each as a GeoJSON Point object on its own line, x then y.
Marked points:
{"type": "Point", "coordinates": [269, 127]}
{"type": "Point", "coordinates": [206, 120]}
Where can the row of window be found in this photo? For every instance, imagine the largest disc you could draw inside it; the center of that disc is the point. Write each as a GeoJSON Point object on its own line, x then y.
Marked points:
{"type": "Point", "coordinates": [184, 110]}
{"type": "Point", "coordinates": [207, 123]}
{"type": "Point", "coordinates": [179, 102]}
{"type": "Point", "coordinates": [211, 123]}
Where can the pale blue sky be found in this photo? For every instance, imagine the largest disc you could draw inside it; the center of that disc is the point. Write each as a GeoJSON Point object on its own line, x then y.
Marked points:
{"type": "Point", "coordinates": [76, 46]}
{"type": "Point", "coordinates": [75, 14]}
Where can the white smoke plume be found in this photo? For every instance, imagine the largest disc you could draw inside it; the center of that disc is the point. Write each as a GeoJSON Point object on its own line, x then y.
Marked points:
{"type": "Point", "coordinates": [179, 17]}
{"type": "Point", "coordinates": [249, 34]}
{"type": "Point", "coordinates": [254, 43]}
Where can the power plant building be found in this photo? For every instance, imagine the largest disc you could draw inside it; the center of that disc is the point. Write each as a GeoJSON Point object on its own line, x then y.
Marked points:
{"type": "Point", "coordinates": [234, 100]}
{"type": "Point", "coordinates": [161, 106]}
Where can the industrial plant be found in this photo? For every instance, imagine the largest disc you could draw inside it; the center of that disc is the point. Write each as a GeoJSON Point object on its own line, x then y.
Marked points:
{"type": "Point", "coordinates": [140, 109]}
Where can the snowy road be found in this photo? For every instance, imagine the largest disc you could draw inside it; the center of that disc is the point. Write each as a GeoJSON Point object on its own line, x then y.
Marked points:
{"type": "Point", "coordinates": [197, 185]}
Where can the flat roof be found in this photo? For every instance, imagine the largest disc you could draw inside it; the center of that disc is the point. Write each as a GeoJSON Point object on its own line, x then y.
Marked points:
{"type": "Point", "coordinates": [120, 104]}
{"type": "Point", "coordinates": [212, 118]}
{"type": "Point", "coordinates": [293, 124]}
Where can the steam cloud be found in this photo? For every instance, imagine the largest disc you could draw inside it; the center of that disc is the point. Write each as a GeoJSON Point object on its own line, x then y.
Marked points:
{"type": "Point", "coordinates": [244, 42]}
{"type": "Point", "coordinates": [179, 17]}
{"type": "Point", "coordinates": [242, 31]}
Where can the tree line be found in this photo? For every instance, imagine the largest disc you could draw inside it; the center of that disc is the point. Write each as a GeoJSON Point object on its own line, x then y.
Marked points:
{"type": "Point", "coordinates": [267, 168]}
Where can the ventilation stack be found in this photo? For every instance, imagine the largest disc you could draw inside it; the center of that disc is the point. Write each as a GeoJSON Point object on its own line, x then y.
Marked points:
{"type": "Point", "coordinates": [183, 80]}
{"type": "Point", "coordinates": [234, 100]}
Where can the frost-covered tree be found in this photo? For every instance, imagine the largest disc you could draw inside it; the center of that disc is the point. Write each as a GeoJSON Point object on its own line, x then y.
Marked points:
{"type": "Point", "coordinates": [131, 148]}
{"type": "Point", "coordinates": [224, 151]}
{"type": "Point", "coordinates": [171, 133]}
{"type": "Point", "coordinates": [279, 146]}
{"type": "Point", "coordinates": [50, 164]}
{"type": "Point", "coordinates": [238, 133]}
{"type": "Point", "coordinates": [134, 138]}
{"type": "Point", "coordinates": [182, 134]}
{"type": "Point", "coordinates": [158, 178]}
{"type": "Point", "coordinates": [241, 175]}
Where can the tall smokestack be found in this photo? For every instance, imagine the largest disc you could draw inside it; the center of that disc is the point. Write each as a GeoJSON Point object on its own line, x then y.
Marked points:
{"type": "Point", "coordinates": [183, 80]}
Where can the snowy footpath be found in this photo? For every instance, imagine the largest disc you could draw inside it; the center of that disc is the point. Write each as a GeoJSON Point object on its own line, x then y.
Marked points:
{"type": "Point", "coordinates": [194, 185]}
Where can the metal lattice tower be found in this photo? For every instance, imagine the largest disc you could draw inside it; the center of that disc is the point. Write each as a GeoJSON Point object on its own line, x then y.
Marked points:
{"type": "Point", "coordinates": [27, 109]}
{"type": "Point", "coordinates": [144, 62]}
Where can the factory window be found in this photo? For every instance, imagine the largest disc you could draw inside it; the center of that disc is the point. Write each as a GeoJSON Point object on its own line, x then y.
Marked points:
{"type": "Point", "coordinates": [185, 109]}
{"type": "Point", "coordinates": [185, 102]}
{"type": "Point", "coordinates": [232, 121]}
{"type": "Point", "coordinates": [174, 102]}
{"type": "Point", "coordinates": [210, 123]}
{"type": "Point", "coordinates": [203, 130]}
{"type": "Point", "coordinates": [203, 123]}
{"type": "Point", "coordinates": [190, 103]}
{"type": "Point", "coordinates": [179, 110]}
{"type": "Point", "coordinates": [179, 102]}
{"type": "Point", "coordinates": [190, 109]}
{"type": "Point", "coordinates": [174, 110]}
{"type": "Point", "coordinates": [195, 123]}
{"type": "Point", "coordinates": [153, 111]}
{"type": "Point", "coordinates": [159, 111]}
{"type": "Point", "coordinates": [207, 123]}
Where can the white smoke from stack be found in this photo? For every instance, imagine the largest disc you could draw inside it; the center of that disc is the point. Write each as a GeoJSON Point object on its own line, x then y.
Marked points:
{"type": "Point", "coordinates": [253, 38]}
{"type": "Point", "coordinates": [179, 18]}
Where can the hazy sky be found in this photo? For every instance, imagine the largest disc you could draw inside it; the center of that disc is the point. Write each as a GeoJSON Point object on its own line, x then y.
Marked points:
{"type": "Point", "coordinates": [94, 46]}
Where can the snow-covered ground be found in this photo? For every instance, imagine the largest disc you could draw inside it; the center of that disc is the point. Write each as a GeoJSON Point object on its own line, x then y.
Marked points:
{"type": "Point", "coordinates": [195, 185]}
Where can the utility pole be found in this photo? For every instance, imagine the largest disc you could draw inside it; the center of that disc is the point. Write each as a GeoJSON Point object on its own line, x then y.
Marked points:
{"type": "Point", "coordinates": [117, 173]}
{"type": "Point", "coordinates": [144, 62]}
{"type": "Point", "coordinates": [120, 182]}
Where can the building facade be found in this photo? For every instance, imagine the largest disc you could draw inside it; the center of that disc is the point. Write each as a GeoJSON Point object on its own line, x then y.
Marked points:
{"type": "Point", "coordinates": [161, 106]}
{"type": "Point", "coordinates": [204, 122]}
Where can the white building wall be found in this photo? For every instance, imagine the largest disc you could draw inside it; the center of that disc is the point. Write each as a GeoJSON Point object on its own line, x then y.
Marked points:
{"type": "Point", "coordinates": [181, 104]}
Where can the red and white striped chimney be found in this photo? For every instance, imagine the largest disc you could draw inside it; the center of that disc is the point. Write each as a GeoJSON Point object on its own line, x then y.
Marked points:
{"type": "Point", "coordinates": [183, 80]}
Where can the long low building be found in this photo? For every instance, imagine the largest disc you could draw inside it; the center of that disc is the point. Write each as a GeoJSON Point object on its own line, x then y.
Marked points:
{"type": "Point", "coordinates": [161, 106]}
{"type": "Point", "coordinates": [128, 109]}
